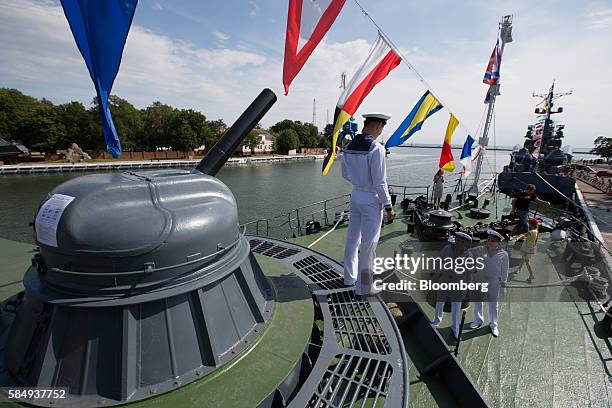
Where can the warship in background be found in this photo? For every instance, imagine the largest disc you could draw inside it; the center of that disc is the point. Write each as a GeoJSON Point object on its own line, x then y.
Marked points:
{"type": "Point", "coordinates": [542, 161]}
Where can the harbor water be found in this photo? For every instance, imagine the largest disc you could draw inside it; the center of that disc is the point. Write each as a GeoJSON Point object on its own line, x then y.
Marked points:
{"type": "Point", "coordinates": [262, 191]}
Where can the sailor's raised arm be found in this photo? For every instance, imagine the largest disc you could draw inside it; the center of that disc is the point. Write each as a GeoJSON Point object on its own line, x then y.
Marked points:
{"type": "Point", "coordinates": [378, 172]}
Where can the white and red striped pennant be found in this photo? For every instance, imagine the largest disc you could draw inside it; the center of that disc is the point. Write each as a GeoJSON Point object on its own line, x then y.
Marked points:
{"type": "Point", "coordinates": [381, 60]}
{"type": "Point", "coordinates": [307, 22]}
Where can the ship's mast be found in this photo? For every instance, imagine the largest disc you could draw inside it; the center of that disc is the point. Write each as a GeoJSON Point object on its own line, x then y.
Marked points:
{"type": "Point", "coordinates": [548, 130]}
{"type": "Point", "coordinates": [493, 92]}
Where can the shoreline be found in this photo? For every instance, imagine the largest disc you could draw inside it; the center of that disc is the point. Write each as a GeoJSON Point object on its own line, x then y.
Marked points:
{"type": "Point", "coordinates": [43, 168]}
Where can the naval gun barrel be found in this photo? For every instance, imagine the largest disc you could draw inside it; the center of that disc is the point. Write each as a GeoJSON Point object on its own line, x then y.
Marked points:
{"type": "Point", "coordinates": [229, 142]}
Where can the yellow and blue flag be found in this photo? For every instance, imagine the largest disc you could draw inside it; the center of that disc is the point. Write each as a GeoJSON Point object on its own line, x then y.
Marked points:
{"type": "Point", "coordinates": [425, 107]}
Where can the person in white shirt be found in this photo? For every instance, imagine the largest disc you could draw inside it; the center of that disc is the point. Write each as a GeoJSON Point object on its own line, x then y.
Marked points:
{"type": "Point", "coordinates": [495, 273]}
{"type": "Point", "coordinates": [363, 165]}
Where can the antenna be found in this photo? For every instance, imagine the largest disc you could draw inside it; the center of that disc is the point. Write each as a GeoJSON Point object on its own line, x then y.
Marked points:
{"type": "Point", "coordinates": [327, 121]}
{"type": "Point", "coordinates": [314, 111]}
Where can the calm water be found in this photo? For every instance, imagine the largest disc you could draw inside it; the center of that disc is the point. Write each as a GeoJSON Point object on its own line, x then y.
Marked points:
{"type": "Point", "coordinates": [261, 191]}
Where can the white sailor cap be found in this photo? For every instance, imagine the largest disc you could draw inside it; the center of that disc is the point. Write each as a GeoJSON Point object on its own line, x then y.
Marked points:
{"type": "Point", "coordinates": [463, 235]}
{"type": "Point", "coordinates": [377, 115]}
{"type": "Point", "coordinates": [493, 233]}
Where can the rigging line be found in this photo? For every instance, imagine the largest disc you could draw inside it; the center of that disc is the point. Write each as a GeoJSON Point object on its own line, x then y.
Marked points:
{"type": "Point", "coordinates": [602, 244]}
{"type": "Point", "coordinates": [410, 66]}
{"type": "Point", "coordinates": [494, 141]}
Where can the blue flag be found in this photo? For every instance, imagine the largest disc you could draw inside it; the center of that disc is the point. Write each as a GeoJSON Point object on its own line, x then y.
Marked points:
{"type": "Point", "coordinates": [466, 155]}
{"type": "Point", "coordinates": [425, 107]}
{"type": "Point", "coordinates": [100, 28]}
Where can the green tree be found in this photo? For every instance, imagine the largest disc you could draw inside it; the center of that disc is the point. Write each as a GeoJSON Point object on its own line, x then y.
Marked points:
{"type": "Point", "coordinates": [603, 147]}
{"type": "Point", "coordinates": [43, 130]}
{"type": "Point", "coordinates": [182, 136]}
{"type": "Point", "coordinates": [286, 140]}
{"type": "Point", "coordinates": [307, 132]}
{"type": "Point", "coordinates": [311, 137]}
{"type": "Point", "coordinates": [157, 123]}
{"type": "Point", "coordinates": [325, 141]}
{"type": "Point", "coordinates": [127, 119]}
{"type": "Point", "coordinates": [218, 128]}
{"type": "Point", "coordinates": [198, 124]}
{"type": "Point", "coordinates": [252, 140]}
{"type": "Point", "coordinates": [278, 127]}
{"type": "Point", "coordinates": [82, 126]}
{"type": "Point", "coordinates": [15, 109]}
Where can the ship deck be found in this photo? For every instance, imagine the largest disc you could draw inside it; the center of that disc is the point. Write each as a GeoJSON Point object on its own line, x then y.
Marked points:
{"type": "Point", "coordinates": [547, 354]}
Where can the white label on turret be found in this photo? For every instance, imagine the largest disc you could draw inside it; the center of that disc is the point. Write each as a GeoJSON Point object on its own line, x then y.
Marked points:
{"type": "Point", "coordinates": [48, 218]}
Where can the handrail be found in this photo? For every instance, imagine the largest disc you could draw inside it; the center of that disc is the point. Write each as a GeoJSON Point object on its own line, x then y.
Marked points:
{"type": "Point", "coordinates": [295, 218]}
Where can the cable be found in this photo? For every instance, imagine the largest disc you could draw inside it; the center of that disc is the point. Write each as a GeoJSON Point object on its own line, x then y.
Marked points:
{"type": "Point", "coordinates": [408, 64]}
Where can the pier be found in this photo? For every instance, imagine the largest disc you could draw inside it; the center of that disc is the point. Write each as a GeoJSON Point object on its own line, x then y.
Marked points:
{"type": "Point", "coordinates": [38, 168]}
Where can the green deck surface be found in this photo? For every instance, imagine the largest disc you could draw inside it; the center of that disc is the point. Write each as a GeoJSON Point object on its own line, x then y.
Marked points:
{"type": "Point", "coordinates": [15, 258]}
{"type": "Point", "coordinates": [547, 354]}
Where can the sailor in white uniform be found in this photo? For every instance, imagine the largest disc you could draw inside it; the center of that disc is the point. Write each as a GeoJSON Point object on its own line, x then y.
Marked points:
{"type": "Point", "coordinates": [458, 249]}
{"type": "Point", "coordinates": [495, 273]}
{"type": "Point", "coordinates": [363, 164]}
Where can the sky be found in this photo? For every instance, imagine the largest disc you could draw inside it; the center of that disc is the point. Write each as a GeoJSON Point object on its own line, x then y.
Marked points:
{"type": "Point", "coordinates": [215, 56]}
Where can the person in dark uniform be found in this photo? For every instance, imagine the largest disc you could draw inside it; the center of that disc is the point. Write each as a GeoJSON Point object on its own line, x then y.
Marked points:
{"type": "Point", "coordinates": [520, 207]}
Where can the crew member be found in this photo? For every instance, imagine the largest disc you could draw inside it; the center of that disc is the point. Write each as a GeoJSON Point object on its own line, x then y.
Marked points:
{"type": "Point", "coordinates": [520, 207]}
{"type": "Point", "coordinates": [456, 250]}
{"type": "Point", "coordinates": [363, 164]}
{"type": "Point", "coordinates": [495, 274]}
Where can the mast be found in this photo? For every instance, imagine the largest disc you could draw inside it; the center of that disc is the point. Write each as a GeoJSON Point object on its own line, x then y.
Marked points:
{"type": "Point", "coordinates": [493, 92]}
{"type": "Point", "coordinates": [548, 132]}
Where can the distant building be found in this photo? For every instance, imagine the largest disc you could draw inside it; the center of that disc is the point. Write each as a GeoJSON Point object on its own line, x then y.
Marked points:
{"type": "Point", "coordinates": [264, 146]}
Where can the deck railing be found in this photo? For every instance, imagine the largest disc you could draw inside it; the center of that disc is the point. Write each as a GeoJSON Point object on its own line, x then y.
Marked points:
{"type": "Point", "coordinates": [293, 223]}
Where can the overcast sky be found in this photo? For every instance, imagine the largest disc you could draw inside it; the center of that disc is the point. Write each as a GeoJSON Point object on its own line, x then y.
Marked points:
{"type": "Point", "coordinates": [215, 56]}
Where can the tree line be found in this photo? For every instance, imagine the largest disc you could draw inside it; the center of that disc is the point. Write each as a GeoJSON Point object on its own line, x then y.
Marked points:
{"type": "Point", "coordinates": [43, 126]}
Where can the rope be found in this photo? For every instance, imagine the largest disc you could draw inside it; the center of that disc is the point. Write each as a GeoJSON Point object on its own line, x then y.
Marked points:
{"type": "Point", "coordinates": [328, 232]}
{"type": "Point", "coordinates": [577, 205]}
{"type": "Point", "coordinates": [408, 64]}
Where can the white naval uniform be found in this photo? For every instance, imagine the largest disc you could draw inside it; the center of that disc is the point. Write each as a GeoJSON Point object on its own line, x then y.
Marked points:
{"type": "Point", "coordinates": [495, 272]}
{"type": "Point", "coordinates": [450, 251]}
{"type": "Point", "coordinates": [363, 164]}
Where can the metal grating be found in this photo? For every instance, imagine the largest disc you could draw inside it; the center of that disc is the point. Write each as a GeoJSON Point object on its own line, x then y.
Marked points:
{"type": "Point", "coordinates": [320, 273]}
{"type": "Point", "coordinates": [361, 360]}
{"type": "Point", "coordinates": [355, 324]}
{"type": "Point", "coordinates": [353, 381]}
{"type": "Point", "coordinates": [271, 249]}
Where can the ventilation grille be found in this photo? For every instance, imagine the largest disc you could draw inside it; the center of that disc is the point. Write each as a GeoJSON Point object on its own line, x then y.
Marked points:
{"type": "Point", "coordinates": [353, 381]}
{"type": "Point", "coordinates": [355, 325]}
{"type": "Point", "coordinates": [320, 273]}
{"type": "Point", "coordinates": [271, 249]}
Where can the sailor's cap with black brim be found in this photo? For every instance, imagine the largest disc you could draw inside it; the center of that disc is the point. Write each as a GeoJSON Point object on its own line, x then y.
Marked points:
{"type": "Point", "coordinates": [463, 236]}
{"type": "Point", "coordinates": [377, 117]}
{"type": "Point", "coordinates": [493, 233]}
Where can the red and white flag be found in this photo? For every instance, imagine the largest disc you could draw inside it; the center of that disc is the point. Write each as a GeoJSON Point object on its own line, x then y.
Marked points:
{"type": "Point", "coordinates": [381, 60]}
{"type": "Point", "coordinates": [308, 21]}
